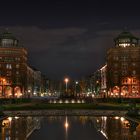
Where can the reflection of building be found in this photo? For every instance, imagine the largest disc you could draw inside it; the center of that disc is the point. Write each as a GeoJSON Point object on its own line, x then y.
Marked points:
{"type": "Point", "coordinates": [13, 66]}
{"type": "Point", "coordinates": [115, 128]}
{"type": "Point", "coordinates": [19, 127]}
{"type": "Point", "coordinates": [123, 66]}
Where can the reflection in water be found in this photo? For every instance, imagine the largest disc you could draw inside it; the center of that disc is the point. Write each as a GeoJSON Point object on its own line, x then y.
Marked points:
{"type": "Point", "coordinates": [15, 128]}
{"type": "Point", "coordinates": [118, 128]}
{"type": "Point", "coordinates": [66, 125]}
{"type": "Point", "coordinates": [69, 128]}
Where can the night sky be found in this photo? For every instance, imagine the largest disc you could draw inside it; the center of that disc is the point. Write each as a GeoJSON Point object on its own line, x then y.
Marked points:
{"type": "Point", "coordinates": [67, 37]}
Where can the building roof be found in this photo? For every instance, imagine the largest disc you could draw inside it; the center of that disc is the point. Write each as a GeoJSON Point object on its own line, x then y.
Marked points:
{"type": "Point", "coordinates": [7, 35]}
{"type": "Point", "coordinates": [126, 34]}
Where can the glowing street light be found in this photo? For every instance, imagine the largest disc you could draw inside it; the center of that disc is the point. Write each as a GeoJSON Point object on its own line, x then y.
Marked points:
{"type": "Point", "coordinates": [66, 81]}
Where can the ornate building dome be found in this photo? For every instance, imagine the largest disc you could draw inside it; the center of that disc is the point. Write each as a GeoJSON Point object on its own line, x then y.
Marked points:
{"type": "Point", "coordinates": [8, 40]}
{"type": "Point", "coordinates": [126, 39]}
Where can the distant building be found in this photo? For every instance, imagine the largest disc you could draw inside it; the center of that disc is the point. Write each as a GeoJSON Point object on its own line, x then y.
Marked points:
{"type": "Point", "coordinates": [37, 83]}
{"type": "Point", "coordinates": [96, 82]}
{"type": "Point", "coordinates": [123, 67]}
{"type": "Point", "coordinates": [30, 81]}
{"type": "Point", "coordinates": [13, 67]}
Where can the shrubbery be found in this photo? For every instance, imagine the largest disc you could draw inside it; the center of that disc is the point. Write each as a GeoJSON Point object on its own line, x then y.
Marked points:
{"type": "Point", "coordinates": [14, 100]}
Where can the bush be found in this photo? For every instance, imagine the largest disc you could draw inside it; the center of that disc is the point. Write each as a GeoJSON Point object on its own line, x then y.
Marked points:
{"type": "Point", "coordinates": [14, 100]}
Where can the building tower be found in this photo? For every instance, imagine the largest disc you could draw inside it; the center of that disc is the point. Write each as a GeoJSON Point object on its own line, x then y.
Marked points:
{"type": "Point", "coordinates": [123, 67]}
{"type": "Point", "coordinates": [13, 67]}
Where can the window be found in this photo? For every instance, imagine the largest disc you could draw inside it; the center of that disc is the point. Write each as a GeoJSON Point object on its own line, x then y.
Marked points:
{"type": "Point", "coordinates": [17, 66]}
{"type": "Point", "coordinates": [134, 81]}
{"type": "Point", "coordinates": [124, 72]}
{"type": "Point", "coordinates": [8, 66]}
{"type": "Point", "coordinates": [133, 72]}
{"type": "Point", "coordinates": [133, 64]}
{"type": "Point", "coordinates": [17, 58]}
{"type": "Point", "coordinates": [7, 42]}
{"type": "Point", "coordinates": [116, 58]}
{"type": "Point", "coordinates": [115, 65]}
{"type": "Point", "coordinates": [124, 65]}
{"type": "Point", "coordinates": [124, 45]}
{"type": "Point", "coordinates": [9, 73]}
{"type": "Point", "coordinates": [17, 72]}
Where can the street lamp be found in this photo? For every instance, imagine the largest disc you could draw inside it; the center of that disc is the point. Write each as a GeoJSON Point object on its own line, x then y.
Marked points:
{"type": "Point", "coordinates": [76, 83]}
{"type": "Point", "coordinates": [66, 81]}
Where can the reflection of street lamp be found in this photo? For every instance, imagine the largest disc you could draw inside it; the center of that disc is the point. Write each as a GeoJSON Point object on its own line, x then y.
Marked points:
{"type": "Point", "coordinates": [66, 81]}
{"type": "Point", "coordinates": [66, 125]}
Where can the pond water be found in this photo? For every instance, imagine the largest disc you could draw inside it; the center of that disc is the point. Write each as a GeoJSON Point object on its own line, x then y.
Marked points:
{"type": "Point", "coordinates": [69, 128]}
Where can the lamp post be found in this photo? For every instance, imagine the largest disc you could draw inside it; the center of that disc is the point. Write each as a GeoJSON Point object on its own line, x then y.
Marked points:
{"type": "Point", "coordinates": [76, 83]}
{"type": "Point", "coordinates": [66, 81]}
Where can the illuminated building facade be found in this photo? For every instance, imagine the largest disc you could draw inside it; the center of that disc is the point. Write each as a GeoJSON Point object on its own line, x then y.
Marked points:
{"type": "Point", "coordinates": [103, 81]}
{"type": "Point", "coordinates": [123, 67]}
{"type": "Point", "coordinates": [13, 67]}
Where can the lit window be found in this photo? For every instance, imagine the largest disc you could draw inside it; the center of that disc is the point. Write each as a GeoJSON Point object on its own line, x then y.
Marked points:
{"type": "Point", "coordinates": [134, 72]}
{"type": "Point", "coordinates": [17, 66]}
{"type": "Point", "coordinates": [17, 72]}
{"type": "Point", "coordinates": [116, 58]}
{"type": "Point", "coordinates": [8, 66]}
{"type": "Point", "coordinates": [133, 64]}
{"type": "Point", "coordinates": [124, 45]}
{"type": "Point", "coordinates": [115, 65]}
{"type": "Point", "coordinates": [7, 42]}
{"type": "Point", "coordinates": [17, 59]}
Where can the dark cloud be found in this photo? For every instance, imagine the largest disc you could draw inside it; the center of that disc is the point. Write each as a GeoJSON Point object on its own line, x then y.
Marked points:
{"type": "Point", "coordinates": [69, 37]}
{"type": "Point", "coordinates": [66, 51]}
